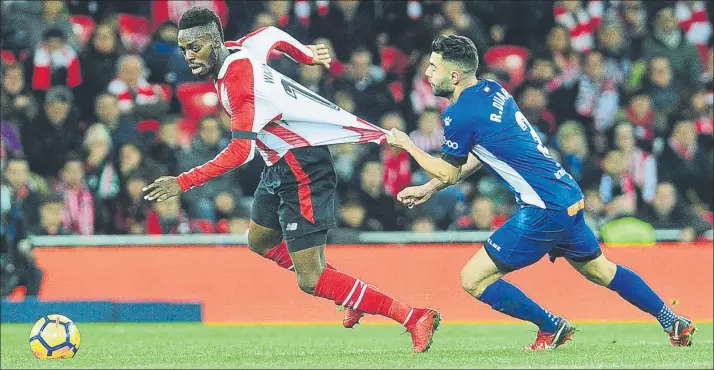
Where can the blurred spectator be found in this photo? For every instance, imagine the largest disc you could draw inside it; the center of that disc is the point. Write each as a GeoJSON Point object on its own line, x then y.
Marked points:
{"type": "Point", "coordinates": [371, 95]}
{"type": "Point", "coordinates": [167, 217]}
{"type": "Point", "coordinates": [480, 217]}
{"type": "Point", "coordinates": [618, 61]}
{"type": "Point", "coordinates": [79, 212]}
{"type": "Point", "coordinates": [55, 62]}
{"type": "Point", "coordinates": [668, 41]}
{"type": "Point", "coordinates": [164, 59]}
{"type": "Point", "coordinates": [686, 167]}
{"type": "Point", "coordinates": [581, 20]}
{"type": "Point", "coordinates": [136, 96]}
{"type": "Point", "coordinates": [289, 20]}
{"type": "Point", "coordinates": [396, 162]}
{"type": "Point", "coordinates": [55, 132]}
{"type": "Point", "coordinates": [662, 86]}
{"type": "Point", "coordinates": [464, 23]}
{"type": "Point", "coordinates": [617, 188]}
{"type": "Point", "coordinates": [702, 112]}
{"type": "Point", "coordinates": [347, 24]}
{"type": "Point", "coordinates": [647, 122]}
{"type": "Point", "coordinates": [227, 209]}
{"type": "Point", "coordinates": [17, 103]}
{"type": "Point", "coordinates": [122, 127]}
{"type": "Point", "coordinates": [667, 212]}
{"type": "Point", "coordinates": [576, 159]}
{"type": "Point", "coordinates": [597, 97]}
{"type": "Point", "coordinates": [166, 146]}
{"type": "Point", "coordinates": [595, 215]}
{"type": "Point", "coordinates": [533, 102]}
{"type": "Point", "coordinates": [132, 160]}
{"type": "Point", "coordinates": [101, 176]}
{"type": "Point", "coordinates": [313, 77]}
{"type": "Point", "coordinates": [131, 209]}
{"type": "Point", "coordinates": [99, 62]}
{"type": "Point", "coordinates": [205, 146]}
{"type": "Point", "coordinates": [631, 16]}
{"type": "Point", "coordinates": [640, 165]}
{"type": "Point", "coordinates": [423, 224]}
{"type": "Point", "coordinates": [429, 134]}
{"type": "Point", "coordinates": [380, 208]}
{"type": "Point", "coordinates": [52, 213]}
{"type": "Point", "coordinates": [693, 19]}
{"type": "Point", "coordinates": [23, 194]}
{"type": "Point", "coordinates": [17, 261]}
{"type": "Point", "coordinates": [541, 70]}
{"type": "Point", "coordinates": [33, 18]}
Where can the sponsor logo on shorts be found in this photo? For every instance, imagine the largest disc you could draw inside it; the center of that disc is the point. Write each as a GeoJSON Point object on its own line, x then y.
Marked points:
{"type": "Point", "coordinates": [291, 226]}
{"type": "Point", "coordinates": [489, 241]}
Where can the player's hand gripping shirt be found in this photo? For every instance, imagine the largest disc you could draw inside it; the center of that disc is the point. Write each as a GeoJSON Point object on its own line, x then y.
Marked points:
{"type": "Point", "coordinates": [270, 111]}
{"type": "Point", "coordinates": [486, 121]}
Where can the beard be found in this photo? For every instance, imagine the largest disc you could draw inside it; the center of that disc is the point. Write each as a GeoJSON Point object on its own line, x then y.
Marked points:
{"type": "Point", "coordinates": [443, 90]}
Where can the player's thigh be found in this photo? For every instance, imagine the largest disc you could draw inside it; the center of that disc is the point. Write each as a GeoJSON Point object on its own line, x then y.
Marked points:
{"type": "Point", "coordinates": [265, 231]}
{"type": "Point", "coordinates": [523, 240]}
{"type": "Point", "coordinates": [599, 270]}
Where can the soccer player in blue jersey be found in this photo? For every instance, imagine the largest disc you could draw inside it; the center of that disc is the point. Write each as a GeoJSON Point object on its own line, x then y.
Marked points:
{"type": "Point", "coordinates": [483, 125]}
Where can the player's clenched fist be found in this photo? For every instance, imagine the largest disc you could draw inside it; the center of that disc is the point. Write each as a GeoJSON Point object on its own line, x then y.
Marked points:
{"type": "Point", "coordinates": [163, 188]}
{"type": "Point", "coordinates": [415, 195]}
{"type": "Point", "coordinates": [399, 139]}
{"type": "Point", "coordinates": [321, 55]}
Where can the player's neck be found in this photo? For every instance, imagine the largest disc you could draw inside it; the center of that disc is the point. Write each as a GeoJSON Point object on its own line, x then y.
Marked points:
{"type": "Point", "coordinates": [461, 87]}
{"type": "Point", "coordinates": [223, 54]}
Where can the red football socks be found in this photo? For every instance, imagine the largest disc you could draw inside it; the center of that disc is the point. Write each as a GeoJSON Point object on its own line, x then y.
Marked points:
{"type": "Point", "coordinates": [353, 293]}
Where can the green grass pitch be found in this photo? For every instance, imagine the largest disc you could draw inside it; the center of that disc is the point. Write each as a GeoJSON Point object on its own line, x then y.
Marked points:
{"type": "Point", "coordinates": [368, 346]}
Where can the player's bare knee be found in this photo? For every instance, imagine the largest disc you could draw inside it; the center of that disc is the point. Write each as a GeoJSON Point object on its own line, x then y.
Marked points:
{"type": "Point", "coordinates": [261, 241]}
{"type": "Point", "coordinates": [473, 283]}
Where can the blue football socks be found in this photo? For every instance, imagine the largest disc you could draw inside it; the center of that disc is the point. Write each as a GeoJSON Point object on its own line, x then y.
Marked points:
{"type": "Point", "coordinates": [633, 289]}
{"type": "Point", "coordinates": [505, 297]}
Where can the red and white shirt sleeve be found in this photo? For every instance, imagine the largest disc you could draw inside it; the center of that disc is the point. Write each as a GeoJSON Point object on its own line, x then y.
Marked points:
{"type": "Point", "coordinates": [238, 84]}
{"type": "Point", "coordinates": [266, 39]}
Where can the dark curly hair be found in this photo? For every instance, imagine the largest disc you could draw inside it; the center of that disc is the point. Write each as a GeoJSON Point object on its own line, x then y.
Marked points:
{"type": "Point", "coordinates": [457, 49]}
{"type": "Point", "coordinates": [200, 16]}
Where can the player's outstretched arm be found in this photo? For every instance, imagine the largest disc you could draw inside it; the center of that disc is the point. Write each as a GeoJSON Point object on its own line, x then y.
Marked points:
{"type": "Point", "coordinates": [261, 41]}
{"type": "Point", "coordinates": [416, 195]}
{"type": "Point", "coordinates": [437, 167]}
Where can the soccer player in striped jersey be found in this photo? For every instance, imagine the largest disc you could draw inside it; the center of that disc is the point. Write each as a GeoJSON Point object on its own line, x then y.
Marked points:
{"type": "Point", "coordinates": [290, 126]}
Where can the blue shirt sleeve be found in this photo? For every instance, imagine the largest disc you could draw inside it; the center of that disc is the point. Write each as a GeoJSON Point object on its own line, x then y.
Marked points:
{"type": "Point", "coordinates": [458, 138]}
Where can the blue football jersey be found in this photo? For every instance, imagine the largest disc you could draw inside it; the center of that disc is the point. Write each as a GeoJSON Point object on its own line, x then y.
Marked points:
{"type": "Point", "coordinates": [486, 122]}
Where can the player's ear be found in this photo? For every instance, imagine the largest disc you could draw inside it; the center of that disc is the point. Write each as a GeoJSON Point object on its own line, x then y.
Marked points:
{"type": "Point", "coordinates": [455, 77]}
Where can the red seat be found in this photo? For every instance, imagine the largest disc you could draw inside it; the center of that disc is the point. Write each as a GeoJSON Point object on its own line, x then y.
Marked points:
{"type": "Point", "coordinates": [134, 31]}
{"type": "Point", "coordinates": [83, 26]}
{"type": "Point", "coordinates": [509, 58]}
{"type": "Point", "coordinates": [198, 99]}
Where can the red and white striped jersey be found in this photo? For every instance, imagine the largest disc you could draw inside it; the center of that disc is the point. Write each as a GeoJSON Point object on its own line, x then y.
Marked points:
{"type": "Point", "coordinates": [270, 111]}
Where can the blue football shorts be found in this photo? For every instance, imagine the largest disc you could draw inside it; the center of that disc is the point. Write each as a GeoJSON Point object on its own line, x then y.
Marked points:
{"type": "Point", "coordinates": [532, 232]}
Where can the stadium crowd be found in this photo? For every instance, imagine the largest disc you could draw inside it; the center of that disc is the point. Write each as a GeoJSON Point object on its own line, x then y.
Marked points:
{"type": "Point", "coordinates": [97, 102]}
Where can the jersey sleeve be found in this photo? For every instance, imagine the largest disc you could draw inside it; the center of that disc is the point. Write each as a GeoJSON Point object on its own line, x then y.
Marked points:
{"type": "Point", "coordinates": [458, 139]}
{"type": "Point", "coordinates": [263, 40]}
{"type": "Point", "coordinates": [239, 84]}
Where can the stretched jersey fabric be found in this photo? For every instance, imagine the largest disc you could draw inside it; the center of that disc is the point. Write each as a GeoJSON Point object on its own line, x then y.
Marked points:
{"type": "Point", "coordinates": [270, 111]}
{"type": "Point", "coordinates": [486, 121]}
